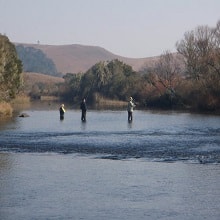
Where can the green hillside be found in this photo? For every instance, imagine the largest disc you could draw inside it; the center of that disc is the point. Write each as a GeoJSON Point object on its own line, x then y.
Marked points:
{"type": "Point", "coordinates": [34, 60]}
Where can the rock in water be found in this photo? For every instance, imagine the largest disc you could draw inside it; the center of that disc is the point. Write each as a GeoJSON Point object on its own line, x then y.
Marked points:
{"type": "Point", "coordinates": [23, 115]}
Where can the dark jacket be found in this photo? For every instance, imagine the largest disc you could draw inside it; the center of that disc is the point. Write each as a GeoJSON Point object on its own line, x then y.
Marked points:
{"type": "Point", "coordinates": [83, 106]}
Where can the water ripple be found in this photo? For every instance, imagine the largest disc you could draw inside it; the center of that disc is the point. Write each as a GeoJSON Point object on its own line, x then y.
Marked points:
{"type": "Point", "coordinates": [156, 137]}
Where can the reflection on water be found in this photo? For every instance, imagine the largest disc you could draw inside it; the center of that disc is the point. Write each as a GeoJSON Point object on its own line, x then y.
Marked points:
{"type": "Point", "coordinates": [5, 162]}
{"type": "Point", "coordinates": [83, 126]}
{"type": "Point", "coordinates": [130, 123]}
{"type": "Point", "coordinates": [166, 136]}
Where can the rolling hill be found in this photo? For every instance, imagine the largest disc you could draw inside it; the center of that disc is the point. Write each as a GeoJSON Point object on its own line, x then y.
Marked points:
{"type": "Point", "coordinates": [33, 78]}
{"type": "Point", "coordinates": [76, 58]}
{"type": "Point", "coordinates": [38, 81]}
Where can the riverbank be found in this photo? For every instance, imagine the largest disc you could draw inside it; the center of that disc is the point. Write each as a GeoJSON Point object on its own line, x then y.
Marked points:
{"type": "Point", "coordinates": [6, 110]}
{"type": "Point", "coordinates": [22, 103]}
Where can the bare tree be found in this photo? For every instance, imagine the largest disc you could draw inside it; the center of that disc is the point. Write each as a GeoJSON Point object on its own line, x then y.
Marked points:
{"type": "Point", "coordinates": [165, 74]}
{"type": "Point", "coordinates": [201, 51]}
{"type": "Point", "coordinates": [168, 70]}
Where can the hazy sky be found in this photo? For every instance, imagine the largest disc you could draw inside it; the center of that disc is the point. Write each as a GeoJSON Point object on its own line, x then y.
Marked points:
{"type": "Point", "coordinates": [131, 28]}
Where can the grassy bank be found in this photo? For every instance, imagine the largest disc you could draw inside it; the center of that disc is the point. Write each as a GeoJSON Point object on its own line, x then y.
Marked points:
{"type": "Point", "coordinates": [6, 110]}
{"type": "Point", "coordinates": [20, 102]}
{"type": "Point", "coordinates": [20, 99]}
{"type": "Point", "coordinates": [104, 102]}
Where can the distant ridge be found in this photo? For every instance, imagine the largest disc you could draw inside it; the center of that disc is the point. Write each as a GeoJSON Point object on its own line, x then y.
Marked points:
{"type": "Point", "coordinates": [77, 58]}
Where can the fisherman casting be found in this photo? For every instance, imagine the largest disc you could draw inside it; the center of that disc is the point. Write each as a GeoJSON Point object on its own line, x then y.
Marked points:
{"type": "Point", "coordinates": [130, 109]}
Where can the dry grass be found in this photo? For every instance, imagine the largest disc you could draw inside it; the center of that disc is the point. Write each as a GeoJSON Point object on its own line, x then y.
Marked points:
{"type": "Point", "coordinates": [21, 99]}
{"type": "Point", "coordinates": [102, 101]}
{"type": "Point", "coordinates": [109, 102]}
{"type": "Point", "coordinates": [33, 78]}
{"type": "Point", "coordinates": [5, 110]}
{"type": "Point", "coordinates": [49, 98]}
{"type": "Point", "coordinates": [20, 102]}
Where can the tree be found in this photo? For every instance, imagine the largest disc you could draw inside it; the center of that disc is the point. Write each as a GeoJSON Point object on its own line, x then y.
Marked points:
{"type": "Point", "coordinates": [197, 48]}
{"type": "Point", "coordinates": [110, 79]}
{"type": "Point", "coordinates": [201, 52]}
{"type": "Point", "coordinates": [72, 86]}
{"type": "Point", "coordinates": [167, 71]}
{"type": "Point", "coordinates": [10, 70]}
{"type": "Point", "coordinates": [165, 76]}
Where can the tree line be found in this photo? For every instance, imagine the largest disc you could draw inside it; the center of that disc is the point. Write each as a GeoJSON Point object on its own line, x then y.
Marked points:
{"type": "Point", "coordinates": [189, 78]}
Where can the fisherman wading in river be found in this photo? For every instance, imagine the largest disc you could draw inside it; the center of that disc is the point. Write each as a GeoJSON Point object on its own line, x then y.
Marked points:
{"type": "Point", "coordinates": [83, 107]}
{"type": "Point", "coordinates": [62, 111]}
{"type": "Point", "coordinates": [130, 109]}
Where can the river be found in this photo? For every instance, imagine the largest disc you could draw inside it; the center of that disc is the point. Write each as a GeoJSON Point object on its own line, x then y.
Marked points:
{"type": "Point", "coordinates": [163, 165]}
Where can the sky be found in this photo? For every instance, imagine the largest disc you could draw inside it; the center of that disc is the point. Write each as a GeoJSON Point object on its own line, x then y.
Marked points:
{"type": "Point", "coordinates": [129, 28]}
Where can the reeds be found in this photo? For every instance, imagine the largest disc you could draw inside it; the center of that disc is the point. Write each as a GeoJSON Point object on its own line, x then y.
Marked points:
{"type": "Point", "coordinates": [102, 101]}
{"type": "Point", "coordinates": [21, 99]}
{"type": "Point", "coordinates": [5, 110]}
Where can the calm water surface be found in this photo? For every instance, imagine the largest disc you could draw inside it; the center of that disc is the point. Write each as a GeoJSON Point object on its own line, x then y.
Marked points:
{"type": "Point", "coordinates": [160, 166]}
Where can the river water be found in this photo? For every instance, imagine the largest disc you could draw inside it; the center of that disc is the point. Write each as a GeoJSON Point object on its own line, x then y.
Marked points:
{"type": "Point", "coordinates": [163, 165]}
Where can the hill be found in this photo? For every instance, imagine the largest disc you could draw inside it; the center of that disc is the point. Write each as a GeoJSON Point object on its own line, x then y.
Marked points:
{"type": "Point", "coordinates": [31, 79]}
{"type": "Point", "coordinates": [79, 58]}
{"type": "Point", "coordinates": [37, 85]}
{"type": "Point", "coordinates": [35, 60]}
